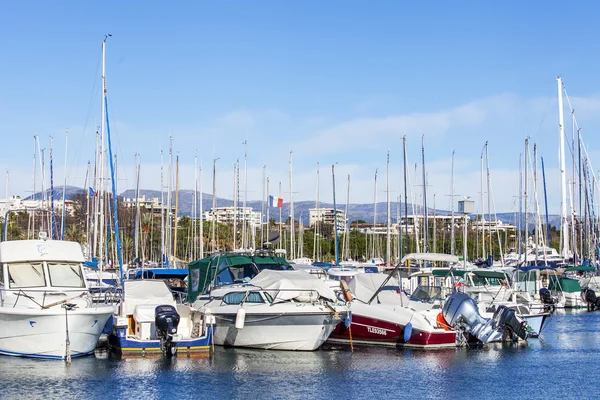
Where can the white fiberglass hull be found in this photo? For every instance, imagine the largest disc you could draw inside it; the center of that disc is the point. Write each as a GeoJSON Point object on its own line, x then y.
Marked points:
{"type": "Point", "coordinates": [288, 331]}
{"type": "Point", "coordinates": [41, 333]}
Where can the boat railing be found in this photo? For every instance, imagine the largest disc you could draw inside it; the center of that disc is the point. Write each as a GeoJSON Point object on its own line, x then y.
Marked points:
{"type": "Point", "coordinates": [33, 296]}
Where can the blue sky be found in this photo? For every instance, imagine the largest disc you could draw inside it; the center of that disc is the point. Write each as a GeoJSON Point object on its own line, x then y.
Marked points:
{"type": "Point", "coordinates": [331, 81]}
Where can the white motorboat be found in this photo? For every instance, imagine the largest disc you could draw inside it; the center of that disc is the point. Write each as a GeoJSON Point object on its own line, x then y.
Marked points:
{"type": "Point", "coordinates": [278, 310]}
{"type": "Point", "coordinates": [46, 310]}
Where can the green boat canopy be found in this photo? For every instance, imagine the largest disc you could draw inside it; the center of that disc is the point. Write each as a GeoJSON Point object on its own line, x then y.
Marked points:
{"type": "Point", "coordinates": [581, 268]}
{"type": "Point", "coordinates": [483, 273]}
{"type": "Point", "coordinates": [443, 272]}
{"type": "Point", "coordinates": [567, 285]}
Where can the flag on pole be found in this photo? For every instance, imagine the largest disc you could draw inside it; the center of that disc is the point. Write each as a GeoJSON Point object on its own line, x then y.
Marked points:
{"type": "Point", "coordinates": [275, 202]}
{"type": "Point", "coordinates": [92, 193]}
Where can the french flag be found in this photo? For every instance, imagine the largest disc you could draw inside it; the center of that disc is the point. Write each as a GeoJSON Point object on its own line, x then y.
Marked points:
{"type": "Point", "coordinates": [275, 202]}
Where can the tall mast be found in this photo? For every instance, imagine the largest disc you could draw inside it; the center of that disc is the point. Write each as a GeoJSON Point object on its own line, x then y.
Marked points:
{"type": "Point", "coordinates": [280, 217]}
{"type": "Point", "coordinates": [169, 230]}
{"type": "Point", "coordinates": [525, 193]}
{"type": "Point", "coordinates": [536, 207]}
{"type": "Point", "coordinates": [482, 220]}
{"type": "Point", "coordinates": [388, 251]}
{"type": "Point", "coordinates": [316, 256]}
{"type": "Point", "coordinates": [337, 257]}
{"type": "Point", "coordinates": [264, 200]}
{"type": "Point", "coordinates": [201, 216]}
{"type": "Point", "coordinates": [235, 202]}
{"type": "Point", "coordinates": [136, 234]}
{"type": "Point", "coordinates": [489, 196]}
{"type": "Point", "coordinates": [34, 181]}
{"type": "Point", "coordinates": [520, 220]}
{"type": "Point", "coordinates": [405, 195]}
{"type": "Point", "coordinates": [292, 251]}
{"type": "Point", "coordinates": [101, 158]}
{"type": "Point", "coordinates": [64, 206]}
{"type": "Point", "coordinates": [162, 213]}
{"type": "Point", "coordinates": [426, 245]}
{"type": "Point", "coordinates": [346, 255]}
{"type": "Point", "coordinates": [194, 252]}
{"type": "Point", "coordinates": [214, 205]}
{"type": "Point", "coordinates": [244, 216]}
{"type": "Point", "coordinates": [176, 207]}
{"type": "Point", "coordinates": [52, 223]}
{"type": "Point", "coordinates": [452, 239]}
{"type": "Point", "coordinates": [373, 255]}
{"type": "Point", "coordinates": [563, 209]}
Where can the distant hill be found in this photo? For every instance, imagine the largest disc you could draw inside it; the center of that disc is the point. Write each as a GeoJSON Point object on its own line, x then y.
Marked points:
{"type": "Point", "coordinates": [363, 212]}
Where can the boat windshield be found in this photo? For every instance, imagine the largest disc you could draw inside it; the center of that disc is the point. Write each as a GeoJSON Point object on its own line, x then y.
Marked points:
{"type": "Point", "coordinates": [427, 293]}
{"type": "Point", "coordinates": [237, 297]}
{"type": "Point", "coordinates": [236, 274]}
{"type": "Point", "coordinates": [274, 267]}
{"type": "Point", "coordinates": [26, 275]}
{"type": "Point", "coordinates": [63, 274]}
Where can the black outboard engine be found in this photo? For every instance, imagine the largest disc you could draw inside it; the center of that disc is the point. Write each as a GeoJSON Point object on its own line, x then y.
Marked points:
{"type": "Point", "coordinates": [593, 302]}
{"type": "Point", "coordinates": [548, 300]}
{"type": "Point", "coordinates": [166, 320]}
{"type": "Point", "coordinates": [512, 325]}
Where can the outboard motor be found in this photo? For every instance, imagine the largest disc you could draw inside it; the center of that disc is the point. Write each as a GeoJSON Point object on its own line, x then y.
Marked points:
{"type": "Point", "coordinates": [166, 320]}
{"type": "Point", "coordinates": [589, 296]}
{"type": "Point", "coordinates": [548, 300]}
{"type": "Point", "coordinates": [510, 323]}
{"type": "Point", "coordinates": [461, 313]}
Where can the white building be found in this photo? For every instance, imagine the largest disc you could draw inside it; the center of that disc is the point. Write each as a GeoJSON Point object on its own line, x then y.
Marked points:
{"type": "Point", "coordinates": [225, 215]}
{"type": "Point", "coordinates": [16, 203]}
{"type": "Point", "coordinates": [327, 216]}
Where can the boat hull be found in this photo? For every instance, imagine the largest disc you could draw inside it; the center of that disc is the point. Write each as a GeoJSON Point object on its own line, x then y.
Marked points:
{"type": "Point", "coordinates": [377, 326]}
{"type": "Point", "coordinates": [283, 331]}
{"type": "Point", "coordinates": [42, 333]}
{"type": "Point", "coordinates": [120, 342]}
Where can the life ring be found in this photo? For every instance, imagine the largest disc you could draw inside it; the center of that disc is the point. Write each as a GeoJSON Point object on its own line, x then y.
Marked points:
{"type": "Point", "coordinates": [345, 291]}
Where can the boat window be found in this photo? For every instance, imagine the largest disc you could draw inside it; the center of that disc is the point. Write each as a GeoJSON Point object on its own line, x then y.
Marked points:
{"type": "Point", "coordinates": [224, 277]}
{"type": "Point", "coordinates": [26, 275]}
{"type": "Point", "coordinates": [237, 297]}
{"type": "Point", "coordinates": [243, 273]}
{"type": "Point", "coordinates": [274, 267]}
{"type": "Point", "coordinates": [66, 275]}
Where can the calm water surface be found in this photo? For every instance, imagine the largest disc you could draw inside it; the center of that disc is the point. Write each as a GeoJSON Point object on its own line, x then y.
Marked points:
{"type": "Point", "coordinates": [563, 364]}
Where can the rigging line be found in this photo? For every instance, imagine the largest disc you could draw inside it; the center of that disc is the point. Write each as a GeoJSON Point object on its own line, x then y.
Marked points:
{"type": "Point", "coordinates": [81, 141]}
{"type": "Point", "coordinates": [121, 171]}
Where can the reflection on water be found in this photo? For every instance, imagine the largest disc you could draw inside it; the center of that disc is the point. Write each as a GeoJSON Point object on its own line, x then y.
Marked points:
{"type": "Point", "coordinates": [521, 371]}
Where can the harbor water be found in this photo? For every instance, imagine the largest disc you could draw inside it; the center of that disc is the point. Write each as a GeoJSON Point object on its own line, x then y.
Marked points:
{"type": "Point", "coordinates": [562, 364]}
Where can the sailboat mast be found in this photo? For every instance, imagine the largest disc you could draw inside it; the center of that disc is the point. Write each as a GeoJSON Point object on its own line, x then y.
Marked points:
{"type": "Point", "coordinates": [176, 207]}
{"type": "Point", "coordinates": [64, 205]}
{"type": "Point", "coordinates": [101, 158]}
{"type": "Point", "coordinates": [169, 230]}
{"type": "Point", "coordinates": [388, 251]}
{"type": "Point", "coordinates": [482, 219]}
{"type": "Point", "coordinates": [214, 205]}
{"type": "Point", "coordinates": [162, 213]}
{"type": "Point", "coordinates": [525, 194]}
{"type": "Point", "coordinates": [264, 200]}
{"type": "Point", "coordinates": [53, 222]}
{"type": "Point", "coordinates": [201, 215]}
{"type": "Point", "coordinates": [235, 202]}
{"type": "Point", "coordinates": [537, 210]}
{"type": "Point", "coordinates": [373, 255]}
{"type": "Point", "coordinates": [452, 239]}
{"type": "Point", "coordinates": [346, 255]}
{"type": "Point", "coordinates": [316, 256]}
{"type": "Point", "coordinates": [563, 179]}
{"type": "Point", "coordinates": [405, 195]}
{"type": "Point", "coordinates": [292, 244]}
{"type": "Point", "coordinates": [426, 245]}
{"type": "Point", "coordinates": [335, 225]}
{"type": "Point", "coordinates": [489, 196]}
{"type": "Point", "coordinates": [244, 215]}
{"type": "Point", "coordinates": [136, 233]}
{"type": "Point", "coordinates": [519, 222]}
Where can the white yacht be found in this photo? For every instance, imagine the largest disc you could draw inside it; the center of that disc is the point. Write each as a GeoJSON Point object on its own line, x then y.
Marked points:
{"type": "Point", "coordinates": [46, 310]}
{"type": "Point", "coordinates": [279, 310]}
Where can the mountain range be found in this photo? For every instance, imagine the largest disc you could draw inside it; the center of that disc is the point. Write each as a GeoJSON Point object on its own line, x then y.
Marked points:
{"type": "Point", "coordinates": [356, 212]}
